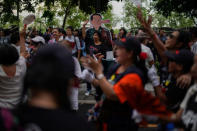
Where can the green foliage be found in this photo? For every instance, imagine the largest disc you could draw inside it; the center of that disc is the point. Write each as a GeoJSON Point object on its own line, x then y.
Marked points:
{"type": "Point", "coordinates": [7, 8]}
{"type": "Point", "coordinates": [186, 7]}
{"type": "Point", "coordinates": [130, 19]}
{"type": "Point", "coordinates": [76, 18]}
{"type": "Point", "coordinates": [175, 20]}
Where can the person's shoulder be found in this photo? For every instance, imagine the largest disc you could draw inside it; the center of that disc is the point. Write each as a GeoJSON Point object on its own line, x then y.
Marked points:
{"type": "Point", "coordinates": [132, 78]}
{"type": "Point", "coordinates": [145, 47]}
{"type": "Point", "coordinates": [74, 121]}
{"type": "Point", "coordinates": [21, 60]}
{"type": "Point", "coordinates": [89, 29]}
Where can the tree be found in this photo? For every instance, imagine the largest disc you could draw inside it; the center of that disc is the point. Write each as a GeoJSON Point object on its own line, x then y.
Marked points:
{"type": "Point", "coordinates": [182, 7]}
{"type": "Point", "coordinates": [174, 21]}
{"type": "Point", "coordinates": [130, 10]}
{"type": "Point", "coordinates": [7, 8]}
{"type": "Point", "coordinates": [110, 16]}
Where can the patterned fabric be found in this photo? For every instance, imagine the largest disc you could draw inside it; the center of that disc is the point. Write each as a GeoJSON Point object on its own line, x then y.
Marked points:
{"type": "Point", "coordinates": [106, 36]}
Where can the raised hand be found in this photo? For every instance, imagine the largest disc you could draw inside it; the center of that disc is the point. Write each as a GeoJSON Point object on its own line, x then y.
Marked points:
{"type": "Point", "coordinates": [145, 23]}
{"type": "Point", "coordinates": [85, 22]}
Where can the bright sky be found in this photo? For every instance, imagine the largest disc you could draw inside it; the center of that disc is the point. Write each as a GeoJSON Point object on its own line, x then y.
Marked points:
{"type": "Point", "coordinates": [118, 10]}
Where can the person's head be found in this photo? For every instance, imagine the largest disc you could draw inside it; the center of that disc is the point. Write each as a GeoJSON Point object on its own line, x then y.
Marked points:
{"type": "Point", "coordinates": [128, 51]}
{"type": "Point", "coordinates": [123, 32]}
{"type": "Point", "coordinates": [37, 42]}
{"type": "Point", "coordinates": [178, 40]}
{"type": "Point", "coordinates": [56, 33]}
{"type": "Point", "coordinates": [8, 55]}
{"type": "Point", "coordinates": [50, 29]}
{"type": "Point", "coordinates": [129, 34]}
{"type": "Point", "coordinates": [193, 31]}
{"type": "Point", "coordinates": [179, 62]}
{"type": "Point", "coordinates": [97, 36]}
{"type": "Point", "coordinates": [161, 32]}
{"type": "Point", "coordinates": [194, 69]}
{"type": "Point", "coordinates": [69, 30]}
{"type": "Point", "coordinates": [96, 19]}
{"type": "Point", "coordinates": [76, 32]}
{"type": "Point", "coordinates": [51, 71]}
{"type": "Point", "coordinates": [143, 38]}
{"type": "Point", "coordinates": [1, 33]}
{"type": "Point", "coordinates": [62, 32]}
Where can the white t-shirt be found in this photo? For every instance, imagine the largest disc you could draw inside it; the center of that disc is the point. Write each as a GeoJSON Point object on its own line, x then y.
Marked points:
{"type": "Point", "coordinates": [194, 48]}
{"type": "Point", "coordinates": [11, 88]}
{"type": "Point", "coordinates": [149, 55]}
{"type": "Point", "coordinates": [189, 116]}
{"type": "Point", "coordinates": [77, 68]}
{"type": "Point", "coordinates": [76, 41]}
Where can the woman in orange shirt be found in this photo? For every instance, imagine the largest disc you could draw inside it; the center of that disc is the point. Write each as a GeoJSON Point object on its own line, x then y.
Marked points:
{"type": "Point", "coordinates": [124, 88]}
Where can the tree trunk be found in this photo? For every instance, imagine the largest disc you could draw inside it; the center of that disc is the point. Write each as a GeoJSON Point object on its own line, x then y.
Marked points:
{"type": "Point", "coordinates": [18, 9]}
{"type": "Point", "coordinates": [67, 11]}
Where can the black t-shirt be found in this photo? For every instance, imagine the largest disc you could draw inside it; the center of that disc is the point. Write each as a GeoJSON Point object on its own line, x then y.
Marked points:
{"type": "Point", "coordinates": [95, 49]}
{"type": "Point", "coordinates": [175, 95]}
{"type": "Point", "coordinates": [42, 119]}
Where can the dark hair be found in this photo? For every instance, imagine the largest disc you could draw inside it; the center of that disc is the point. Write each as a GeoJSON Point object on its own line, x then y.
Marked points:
{"type": "Point", "coordinates": [193, 31]}
{"type": "Point", "coordinates": [58, 29]}
{"type": "Point", "coordinates": [136, 48]}
{"type": "Point", "coordinates": [125, 32]}
{"type": "Point", "coordinates": [70, 27]}
{"type": "Point", "coordinates": [186, 67]}
{"type": "Point", "coordinates": [51, 70]}
{"type": "Point", "coordinates": [185, 38]}
{"type": "Point", "coordinates": [99, 34]}
{"type": "Point", "coordinates": [8, 54]}
{"type": "Point", "coordinates": [91, 17]}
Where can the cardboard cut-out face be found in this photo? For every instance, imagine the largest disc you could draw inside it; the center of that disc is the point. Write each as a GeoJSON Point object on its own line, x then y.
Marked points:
{"type": "Point", "coordinates": [96, 21]}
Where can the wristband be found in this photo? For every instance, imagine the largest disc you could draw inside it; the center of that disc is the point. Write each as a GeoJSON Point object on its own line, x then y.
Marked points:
{"type": "Point", "coordinates": [100, 76]}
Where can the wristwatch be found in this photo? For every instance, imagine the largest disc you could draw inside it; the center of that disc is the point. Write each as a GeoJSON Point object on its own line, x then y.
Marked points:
{"type": "Point", "coordinates": [100, 76]}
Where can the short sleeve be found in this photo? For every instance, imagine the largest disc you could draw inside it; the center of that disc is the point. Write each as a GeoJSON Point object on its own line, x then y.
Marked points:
{"type": "Point", "coordinates": [128, 83]}
{"type": "Point", "coordinates": [130, 89]}
{"type": "Point", "coordinates": [150, 55]}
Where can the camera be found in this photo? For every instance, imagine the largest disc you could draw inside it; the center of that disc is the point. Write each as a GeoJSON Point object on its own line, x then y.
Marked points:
{"type": "Point", "coordinates": [10, 35]}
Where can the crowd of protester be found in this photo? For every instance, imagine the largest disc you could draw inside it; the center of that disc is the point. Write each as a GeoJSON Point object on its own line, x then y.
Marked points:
{"type": "Point", "coordinates": [40, 77]}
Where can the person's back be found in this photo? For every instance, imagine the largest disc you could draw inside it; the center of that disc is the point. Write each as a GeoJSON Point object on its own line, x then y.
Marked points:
{"type": "Point", "coordinates": [12, 70]}
{"type": "Point", "coordinates": [43, 119]}
{"type": "Point", "coordinates": [48, 106]}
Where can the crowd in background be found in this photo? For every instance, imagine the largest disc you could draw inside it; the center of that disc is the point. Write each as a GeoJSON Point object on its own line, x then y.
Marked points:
{"type": "Point", "coordinates": [41, 73]}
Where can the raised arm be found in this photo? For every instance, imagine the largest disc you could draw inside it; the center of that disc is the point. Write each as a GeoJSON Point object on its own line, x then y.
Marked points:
{"type": "Point", "coordinates": [156, 41]}
{"type": "Point", "coordinates": [22, 42]}
{"type": "Point", "coordinates": [84, 29]}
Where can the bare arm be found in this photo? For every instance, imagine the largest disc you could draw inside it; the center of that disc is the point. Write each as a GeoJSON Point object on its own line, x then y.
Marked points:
{"type": "Point", "coordinates": [22, 42]}
{"type": "Point", "coordinates": [156, 41]}
{"type": "Point", "coordinates": [84, 29]}
{"type": "Point", "coordinates": [103, 83]}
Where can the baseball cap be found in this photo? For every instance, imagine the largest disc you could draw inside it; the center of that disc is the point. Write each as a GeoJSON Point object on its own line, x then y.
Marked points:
{"type": "Point", "coordinates": [184, 57]}
{"type": "Point", "coordinates": [38, 39]}
{"type": "Point", "coordinates": [142, 35]}
{"type": "Point", "coordinates": [130, 43]}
